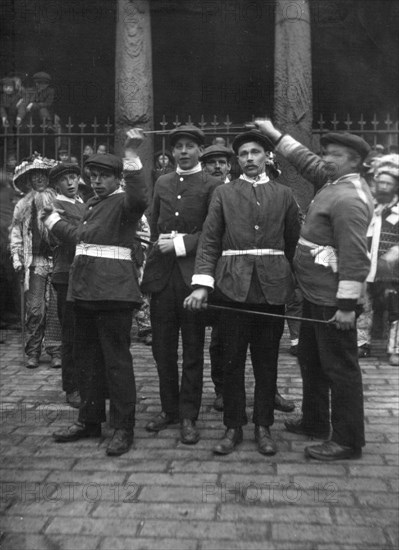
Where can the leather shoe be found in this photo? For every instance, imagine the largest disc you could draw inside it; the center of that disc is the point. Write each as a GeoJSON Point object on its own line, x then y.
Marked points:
{"type": "Point", "coordinates": [56, 362]}
{"type": "Point", "coordinates": [394, 360]}
{"type": "Point", "coordinates": [218, 402]}
{"type": "Point", "coordinates": [283, 405]}
{"type": "Point", "coordinates": [232, 437]}
{"type": "Point", "coordinates": [77, 431]}
{"type": "Point", "coordinates": [73, 399]}
{"type": "Point", "coordinates": [298, 427]}
{"type": "Point", "coordinates": [120, 443]}
{"type": "Point", "coordinates": [189, 435]}
{"type": "Point", "coordinates": [294, 350]}
{"type": "Point", "coordinates": [266, 445]}
{"type": "Point", "coordinates": [329, 450]}
{"type": "Point", "coordinates": [32, 362]}
{"type": "Point", "coordinates": [160, 422]}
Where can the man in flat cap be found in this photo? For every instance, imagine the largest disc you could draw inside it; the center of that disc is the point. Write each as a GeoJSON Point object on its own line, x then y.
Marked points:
{"type": "Point", "coordinates": [331, 266]}
{"type": "Point", "coordinates": [245, 254]}
{"type": "Point", "coordinates": [103, 285]}
{"type": "Point", "coordinates": [216, 161]}
{"type": "Point", "coordinates": [180, 205]}
{"type": "Point", "coordinates": [64, 178]}
{"type": "Point", "coordinates": [43, 99]}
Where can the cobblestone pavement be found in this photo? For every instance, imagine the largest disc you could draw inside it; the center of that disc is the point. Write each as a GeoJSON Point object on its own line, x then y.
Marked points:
{"type": "Point", "coordinates": [165, 495]}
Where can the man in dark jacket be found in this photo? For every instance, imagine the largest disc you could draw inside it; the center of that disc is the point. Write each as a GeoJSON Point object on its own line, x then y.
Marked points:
{"type": "Point", "coordinates": [245, 251]}
{"type": "Point", "coordinates": [331, 265]}
{"type": "Point", "coordinates": [179, 208]}
{"type": "Point", "coordinates": [104, 287]}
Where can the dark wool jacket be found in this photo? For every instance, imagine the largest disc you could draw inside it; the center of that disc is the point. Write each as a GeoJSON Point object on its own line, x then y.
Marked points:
{"type": "Point", "coordinates": [338, 216]}
{"type": "Point", "coordinates": [63, 253]}
{"type": "Point", "coordinates": [109, 221]}
{"type": "Point", "coordinates": [243, 216]}
{"type": "Point", "coordinates": [180, 204]}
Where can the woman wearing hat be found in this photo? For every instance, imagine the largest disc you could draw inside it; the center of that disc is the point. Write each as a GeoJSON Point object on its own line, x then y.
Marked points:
{"type": "Point", "coordinates": [32, 257]}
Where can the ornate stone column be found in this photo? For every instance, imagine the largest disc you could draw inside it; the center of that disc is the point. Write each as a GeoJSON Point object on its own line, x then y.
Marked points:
{"type": "Point", "coordinates": [133, 75]}
{"type": "Point", "coordinates": [293, 108]}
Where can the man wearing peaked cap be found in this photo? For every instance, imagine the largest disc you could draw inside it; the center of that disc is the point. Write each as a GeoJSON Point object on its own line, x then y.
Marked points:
{"type": "Point", "coordinates": [188, 131]}
{"type": "Point", "coordinates": [216, 161]}
{"type": "Point", "coordinates": [179, 208]}
{"type": "Point", "coordinates": [41, 76]}
{"type": "Point", "coordinates": [351, 141]}
{"type": "Point", "coordinates": [64, 178]}
{"type": "Point", "coordinates": [331, 266]}
{"type": "Point", "coordinates": [247, 245]}
{"type": "Point", "coordinates": [106, 161]}
{"type": "Point", "coordinates": [42, 104]}
{"type": "Point", "coordinates": [104, 286]}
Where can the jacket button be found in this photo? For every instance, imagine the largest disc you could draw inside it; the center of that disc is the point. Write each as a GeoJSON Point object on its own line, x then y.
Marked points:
{"type": "Point", "coordinates": [176, 213]}
{"type": "Point", "coordinates": [84, 223]}
{"type": "Point", "coordinates": [181, 179]}
{"type": "Point", "coordinates": [179, 196]}
{"type": "Point", "coordinates": [256, 227]}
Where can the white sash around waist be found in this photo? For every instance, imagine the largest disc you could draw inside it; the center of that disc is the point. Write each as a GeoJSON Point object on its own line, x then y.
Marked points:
{"type": "Point", "coordinates": [103, 251]}
{"type": "Point", "coordinates": [254, 252]}
{"type": "Point", "coordinates": [323, 255]}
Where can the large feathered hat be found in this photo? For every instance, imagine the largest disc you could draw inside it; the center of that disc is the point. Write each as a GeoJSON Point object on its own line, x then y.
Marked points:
{"type": "Point", "coordinates": [35, 162]}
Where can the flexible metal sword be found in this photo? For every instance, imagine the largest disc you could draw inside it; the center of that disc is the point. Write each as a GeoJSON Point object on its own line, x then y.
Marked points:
{"type": "Point", "coordinates": [264, 314]}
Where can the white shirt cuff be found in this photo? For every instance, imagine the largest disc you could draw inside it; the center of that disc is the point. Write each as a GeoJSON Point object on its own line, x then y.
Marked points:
{"type": "Point", "coordinates": [203, 280]}
{"type": "Point", "coordinates": [132, 164]}
{"type": "Point", "coordinates": [286, 145]}
{"type": "Point", "coordinates": [178, 243]}
{"type": "Point", "coordinates": [349, 290]}
{"type": "Point", "coordinates": [52, 220]}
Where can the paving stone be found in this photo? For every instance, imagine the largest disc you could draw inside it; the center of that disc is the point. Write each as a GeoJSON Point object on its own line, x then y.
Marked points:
{"type": "Point", "coordinates": [163, 494]}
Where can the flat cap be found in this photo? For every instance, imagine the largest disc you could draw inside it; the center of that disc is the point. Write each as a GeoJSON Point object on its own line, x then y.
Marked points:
{"type": "Point", "coordinates": [61, 169]}
{"type": "Point", "coordinates": [216, 150]}
{"type": "Point", "coordinates": [8, 81]}
{"type": "Point", "coordinates": [187, 131]}
{"type": "Point", "coordinates": [252, 135]}
{"type": "Point", "coordinates": [41, 76]}
{"type": "Point", "coordinates": [348, 140]}
{"type": "Point", "coordinates": [105, 161]}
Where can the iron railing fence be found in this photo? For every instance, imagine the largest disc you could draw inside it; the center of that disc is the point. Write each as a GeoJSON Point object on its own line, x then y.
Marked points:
{"type": "Point", "coordinates": [29, 137]}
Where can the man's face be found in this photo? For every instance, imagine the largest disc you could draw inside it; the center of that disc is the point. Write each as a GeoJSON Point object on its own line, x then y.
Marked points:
{"type": "Point", "coordinates": [217, 166]}
{"type": "Point", "coordinates": [63, 156]}
{"type": "Point", "coordinates": [340, 160]}
{"type": "Point", "coordinates": [252, 158]}
{"type": "Point", "coordinates": [104, 182]}
{"type": "Point", "coordinates": [186, 152]}
{"type": "Point", "coordinates": [386, 187]}
{"type": "Point", "coordinates": [68, 185]}
{"type": "Point", "coordinates": [38, 180]}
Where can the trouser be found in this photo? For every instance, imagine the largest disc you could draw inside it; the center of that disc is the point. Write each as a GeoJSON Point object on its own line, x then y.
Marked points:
{"type": "Point", "coordinates": [104, 364]}
{"type": "Point", "coordinates": [328, 361]}
{"type": "Point", "coordinates": [39, 313]}
{"type": "Point", "coordinates": [168, 318]}
{"type": "Point", "coordinates": [66, 317]}
{"type": "Point", "coordinates": [216, 357]}
{"type": "Point", "coordinates": [294, 308]}
{"type": "Point", "coordinates": [262, 334]}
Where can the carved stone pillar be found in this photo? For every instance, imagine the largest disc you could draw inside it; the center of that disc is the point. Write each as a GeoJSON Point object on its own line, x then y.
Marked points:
{"type": "Point", "coordinates": [133, 76]}
{"type": "Point", "coordinates": [293, 84]}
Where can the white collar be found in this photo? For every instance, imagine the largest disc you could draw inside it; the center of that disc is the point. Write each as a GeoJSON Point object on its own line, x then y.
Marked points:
{"type": "Point", "coordinates": [262, 178]}
{"type": "Point", "coordinates": [195, 170]}
{"type": "Point", "coordinates": [67, 199]}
